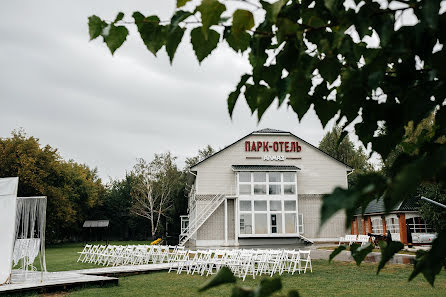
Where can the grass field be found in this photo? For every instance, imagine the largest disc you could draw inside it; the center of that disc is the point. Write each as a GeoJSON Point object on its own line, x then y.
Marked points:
{"type": "Point", "coordinates": [336, 279]}
{"type": "Point", "coordinates": [331, 248]}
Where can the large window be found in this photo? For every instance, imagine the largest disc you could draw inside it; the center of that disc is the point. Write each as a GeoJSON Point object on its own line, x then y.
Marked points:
{"type": "Point", "coordinates": [266, 204]}
{"type": "Point", "coordinates": [267, 183]}
{"type": "Point", "coordinates": [377, 226]}
{"type": "Point", "coordinates": [418, 225]}
{"type": "Point", "coordinates": [245, 224]}
{"type": "Point", "coordinates": [392, 225]}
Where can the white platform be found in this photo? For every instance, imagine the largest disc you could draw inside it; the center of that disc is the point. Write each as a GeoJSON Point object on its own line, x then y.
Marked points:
{"type": "Point", "coordinates": [62, 279]}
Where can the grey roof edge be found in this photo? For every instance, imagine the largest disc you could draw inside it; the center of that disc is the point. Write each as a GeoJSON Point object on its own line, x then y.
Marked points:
{"type": "Point", "coordinates": [282, 133]}
{"type": "Point", "coordinates": [376, 207]}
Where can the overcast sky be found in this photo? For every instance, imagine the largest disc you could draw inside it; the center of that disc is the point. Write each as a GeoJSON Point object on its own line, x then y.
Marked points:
{"type": "Point", "coordinates": [106, 110]}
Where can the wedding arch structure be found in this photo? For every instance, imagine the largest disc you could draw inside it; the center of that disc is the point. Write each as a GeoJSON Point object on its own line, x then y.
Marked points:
{"type": "Point", "coordinates": [8, 204]}
{"type": "Point", "coordinates": [22, 232]}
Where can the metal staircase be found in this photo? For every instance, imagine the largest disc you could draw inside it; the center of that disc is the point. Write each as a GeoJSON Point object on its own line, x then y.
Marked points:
{"type": "Point", "coordinates": [200, 218]}
{"type": "Point", "coordinates": [305, 240]}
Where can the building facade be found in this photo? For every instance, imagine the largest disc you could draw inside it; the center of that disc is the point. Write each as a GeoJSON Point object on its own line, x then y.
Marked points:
{"type": "Point", "coordinates": [404, 222]}
{"type": "Point", "coordinates": [265, 188]}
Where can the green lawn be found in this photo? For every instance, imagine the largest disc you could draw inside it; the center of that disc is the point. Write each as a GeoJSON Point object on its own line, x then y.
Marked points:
{"type": "Point", "coordinates": [331, 248]}
{"type": "Point", "coordinates": [336, 279]}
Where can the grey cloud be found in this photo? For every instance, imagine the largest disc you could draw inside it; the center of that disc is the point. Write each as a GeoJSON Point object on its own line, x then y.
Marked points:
{"type": "Point", "coordinates": [106, 111]}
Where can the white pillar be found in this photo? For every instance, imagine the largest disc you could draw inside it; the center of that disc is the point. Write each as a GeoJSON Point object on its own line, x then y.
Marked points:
{"type": "Point", "coordinates": [236, 222]}
{"type": "Point", "coordinates": [226, 221]}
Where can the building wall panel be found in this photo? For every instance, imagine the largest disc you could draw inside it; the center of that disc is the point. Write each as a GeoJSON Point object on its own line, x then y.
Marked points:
{"type": "Point", "coordinates": [319, 173]}
{"type": "Point", "coordinates": [310, 207]}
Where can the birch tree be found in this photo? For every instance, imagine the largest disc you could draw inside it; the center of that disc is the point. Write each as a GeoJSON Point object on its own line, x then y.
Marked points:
{"type": "Point", "coordinates": [153, 188]}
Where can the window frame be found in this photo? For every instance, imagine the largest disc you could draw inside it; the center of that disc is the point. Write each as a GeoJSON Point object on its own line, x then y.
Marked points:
{"type": "Point", "coordinates": [268, 198]}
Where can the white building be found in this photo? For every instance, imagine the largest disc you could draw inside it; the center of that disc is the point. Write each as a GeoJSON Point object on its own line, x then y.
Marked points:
{"type": "Point", "coordinates": [265, 188]}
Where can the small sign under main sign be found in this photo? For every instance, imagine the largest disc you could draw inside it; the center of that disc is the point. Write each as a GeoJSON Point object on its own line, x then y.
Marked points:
{"type": "Point", "coordinates": [273, 158]}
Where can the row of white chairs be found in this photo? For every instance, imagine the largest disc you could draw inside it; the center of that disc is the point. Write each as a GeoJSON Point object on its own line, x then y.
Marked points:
{"type": "Point", "coordinates": [242, 262]}
{"type": "Point", "coordinates": [116, 255]}
{"type": "Point", "coordinates": [353, 238]}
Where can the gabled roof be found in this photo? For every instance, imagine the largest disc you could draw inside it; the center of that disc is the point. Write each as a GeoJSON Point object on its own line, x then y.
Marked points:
{"type": "Point", "coordinates": [272, 131]}
{"type": "Point", "coordinates": [264, 167]}
{"type": "Point", "coordinates": [377, 206]}
{"type": "Point", "coordinates": [268, 130]}
{"type": "Point", "coordinates": [96, 224]}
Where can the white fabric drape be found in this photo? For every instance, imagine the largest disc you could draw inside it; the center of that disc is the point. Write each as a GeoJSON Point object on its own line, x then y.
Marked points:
{"type": "Point", "coordinates": [30, 232]}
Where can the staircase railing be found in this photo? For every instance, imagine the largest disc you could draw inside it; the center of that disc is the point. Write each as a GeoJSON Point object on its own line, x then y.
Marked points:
{"type": "Point", "coordinates": [200, 218]}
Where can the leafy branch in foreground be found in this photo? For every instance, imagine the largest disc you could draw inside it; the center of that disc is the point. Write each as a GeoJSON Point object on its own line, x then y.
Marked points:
{"type": "Point", "coordinates": [319, 54]}
{"type": "Point", "coordinates": [267, 286]}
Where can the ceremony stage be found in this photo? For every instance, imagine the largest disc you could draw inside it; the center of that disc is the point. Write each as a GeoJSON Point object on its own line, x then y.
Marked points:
{"type": "Point", "coordinates": [62, 280]}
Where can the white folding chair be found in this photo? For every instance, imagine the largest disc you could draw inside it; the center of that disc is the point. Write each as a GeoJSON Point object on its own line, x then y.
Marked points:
{"type": "Point", "coordinates": [305, 257]}
{"type": "Point", "coordinates": [86, 250]}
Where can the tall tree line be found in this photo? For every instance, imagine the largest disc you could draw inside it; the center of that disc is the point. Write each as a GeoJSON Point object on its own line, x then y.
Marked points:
{"type": "Point", "coordinates": [75, 192]}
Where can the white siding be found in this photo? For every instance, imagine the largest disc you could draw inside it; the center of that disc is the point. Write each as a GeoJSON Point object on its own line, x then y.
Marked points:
{"type": "Point", "coordinates": [319, 173]}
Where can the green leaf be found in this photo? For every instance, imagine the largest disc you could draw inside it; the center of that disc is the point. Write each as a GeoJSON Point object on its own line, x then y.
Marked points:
{"type": "Point", "coordinates": [201, 45]}
{"type": "Point", "coordinates": [336, 252]}
{"type": "Point", "coordinates": [233, 96]}
{"type": "Point", "coordinates": [329, 69]}
{"type": "Point", "coordinates": [387, 252]}
{"type": "Point", "coordinates": [325, 109]}
{"type": "Point", "coordinates": [242, 20]}
{"type": "Point", "coordinates": [273, 10]}
{"type": "Point", "coordinates": [172, 42]}
{"type": "Point", "coordinates": [119, 17]}
{"type": "Point", "coordinates": [430, 263]}
{"type": "Point", "coordinates": [181, 3]}
{"type": "Point", "coordinates": [238, 43]}
{"type": "Point", "coordinates": [211, 11]}
{"type": "Point", "coordinates": [223, 276]}
{"type": "Point", "coordinates": [299, 98]}
{"type": "Point", "coordinates": [95, 26]}
{"type": "Point", "coordinates": [152, 33]}
{"type": "Point", "coordinates": [286, 29]}
{"type": "Point", "coordinates": [267, 287]}
{"type": "Point", "coordinates": [368, 187]}
{"type": "Point", "coordinates": [360, 252]}
{"type": "Point", "coordinates": [177, 18]}
{"type": "Point", "coordinates": [430, 11]}
{"type": "Point", "coordinates": [116, 37]}
{"type": "Point", "coordinates": [341, 137]}
{"type": "Point", "coordinates": [259, 97]}
{"type": "Point", "coordinates": [332, 5]}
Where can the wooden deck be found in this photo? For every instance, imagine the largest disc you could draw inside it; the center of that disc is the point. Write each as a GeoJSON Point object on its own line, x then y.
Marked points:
{"type": "Point", "coordinates": [52, 281]}
{"type": "Point", "coordinates": [124, 270]}
{"type": "Point", "coordinates": [62, 280]}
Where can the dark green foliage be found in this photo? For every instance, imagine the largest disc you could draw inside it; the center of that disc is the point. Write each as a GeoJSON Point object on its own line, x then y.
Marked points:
{"type": "Point", "coordinates": [224, 276]}
{"type": "Point", "coordinates": [73, 190]}
{"type": "Point", "coordinates": [432, 262]}
{"type": "Point", "coordinates": [388, 249]}
{"type": "Point", "coordinates": [303, 43]}
{"type": "Point", "coordinates": [95, 26]}
{"type": "Point", "coordinates": [266, 288]}
{"type": "Point", "coordinates": [210, 11]}
{"type": "Point", "coordinates": [242, 20]}
{"type": "Point", "coordinates": [360, 252]}
{"type": "Point", "coordinates": [202, 154]}
{"type": "Point", "coordinates": [114, 36]}
{"type": "Point", "coordinates": [152, 33]}
{"type": "Point", "coordinates": [342, 148]}
{"type": "Point", "coordinates": [203, 45]}
{"type": "Point", "coordinates": [432, 214]}
{"type": "Point", "coordinates": [336, 252]}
